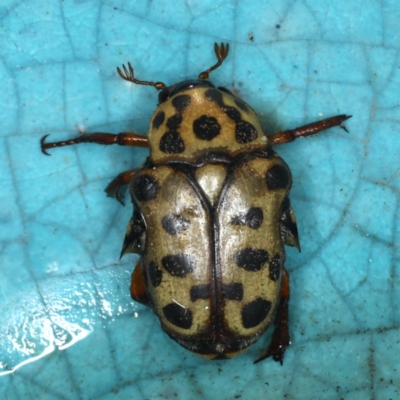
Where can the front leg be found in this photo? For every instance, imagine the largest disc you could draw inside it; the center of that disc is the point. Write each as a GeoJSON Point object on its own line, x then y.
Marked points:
{"type": "Point", "coordinates": [308, 130]}
{"type": "Point", "coordinates": [122, 139]}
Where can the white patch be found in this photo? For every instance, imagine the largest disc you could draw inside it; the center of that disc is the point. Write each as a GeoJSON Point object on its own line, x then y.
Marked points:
{"type": "Point", "coordinates": [211, 178]}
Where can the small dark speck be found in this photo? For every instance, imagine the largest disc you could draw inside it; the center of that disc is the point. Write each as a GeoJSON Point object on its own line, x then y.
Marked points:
{"type": "Point", "coordinates": [315, 72]}
{"type": "Point", "coordinates": [238, 396]}
{"type": "Point", "coordinates": [251, 36]}
{"type": "Point", "coordinates": [295, 66]}
{"type": "Point", "coordinates": [277, 26]}
{"type": "Point", "coordinates": [240, 84]}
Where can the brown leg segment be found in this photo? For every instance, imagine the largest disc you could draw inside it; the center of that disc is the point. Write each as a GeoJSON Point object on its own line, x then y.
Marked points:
{"type": "Point", "coordinates": [114, 188]}
{"type": "Point", "coordinates": [122, 139]}
{"type": "Point", "coordinates": [138, 286]}
{"type": "Point", "coordinates": [280, 338]}
{"type": "Point", "coordinates": [308, 130]}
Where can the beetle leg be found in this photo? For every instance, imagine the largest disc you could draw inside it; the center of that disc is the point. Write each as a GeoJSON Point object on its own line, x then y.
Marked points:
{"type": "Point", "coordinates": [114, 188]}
{"type": "Point", "coordinates": [138, 286]}
{"type": "Point", "coordinates": [123, 139]}
{"type": "Point", "coordinates": [288, 225]}
{"type": "Point", "coordinates": [308, 130]}
{"type": "Point", "coordinates": [280, 337]}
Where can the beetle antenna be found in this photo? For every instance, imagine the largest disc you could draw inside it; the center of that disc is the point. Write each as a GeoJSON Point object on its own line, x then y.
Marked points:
{"type": "Point", "coordinates": [221, 53]}
{"type": "Point", "coordinates": [128, 75]}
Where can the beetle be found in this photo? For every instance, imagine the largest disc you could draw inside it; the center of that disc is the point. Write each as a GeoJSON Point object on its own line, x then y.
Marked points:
{"type": "Point", "coordinates": [211, 216]}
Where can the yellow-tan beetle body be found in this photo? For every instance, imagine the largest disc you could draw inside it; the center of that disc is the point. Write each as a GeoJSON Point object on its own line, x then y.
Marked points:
{"type": "Point", "coordinates": [211, 217]}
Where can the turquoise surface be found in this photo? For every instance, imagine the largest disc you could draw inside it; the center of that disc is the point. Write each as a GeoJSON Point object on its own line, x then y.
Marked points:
{"type": "Point", "coordinates": [68, 329]}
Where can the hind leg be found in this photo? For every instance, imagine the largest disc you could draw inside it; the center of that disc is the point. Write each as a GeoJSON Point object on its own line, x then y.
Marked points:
{"type": "Point", "coordinates": [280, 338]}
{"type": "Point", "coordinates": [138, 286]}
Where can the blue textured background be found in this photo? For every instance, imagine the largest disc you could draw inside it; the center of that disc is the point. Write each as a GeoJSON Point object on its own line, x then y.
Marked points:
{"type": "Point", "coordinates": [65, 309]}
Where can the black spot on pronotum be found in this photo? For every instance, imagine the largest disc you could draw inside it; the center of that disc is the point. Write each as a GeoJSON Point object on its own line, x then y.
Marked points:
{"type": "Point", "coordinates": [206, 127]}
{"type": "Point", "coordinates": [200, 292]}
{"type": "Point", "coordinates": [232, 113]}
{"type": "Point", "coordinates": [158, 119]}
{"type": "Point", "coordinates": [174, 223]}
{"type": "Point", "coordinates": [251, 259]}
{"type": "Point", "coordinates": [245, 132]}
{"type": "Point", "coordinates": [174, 122]}
{"type": "Point", "coordinates": [215, 96]}
{"type": "Point", "coordinates": [178, 315]}
{"type": "Point", "coordinates": [277, 177]}
{"type": "Point", "coordinates": [178, 265]}
{"type": "Point", "coordinates": [255, 312]}
{"type": "Point", "coordinates": [181, 102]}
{"type": "Point", "coordinates": [253, 218]}
{"type": "Point", "coordinates": [155, 274]}
{"type": "Point", "coordinates": [145, 187]}
{"type": "Point", "coordinates": [233, 291]}
{"type": "Point", "coordinates": [275, 267]}
{"type": "Point", "coordinates": [172, 143]}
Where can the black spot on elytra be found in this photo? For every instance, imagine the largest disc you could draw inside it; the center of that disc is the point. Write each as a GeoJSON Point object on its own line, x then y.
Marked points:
{"type": "Point", "coordinates": [155, 274]}
{"type": "Point", "coordinates": [277, 177]}
{"type": "Point", "coordinates": [233, 291]}
{"type": "Point", "coordinates": [245, 132]}
{"type": "Point", "coordinates": [178, 315]}
{"type": "Point", "coordinates": [200, 292]}
{"type": "Point", "coordinates": [215, 96]}
{"type": "Point", "coordinates": [232, 113]}
{"type": "Point", "coordinates": [174, 223]}
{"type": "Point", "coordinates": [172, 143]}
{"type": "Point", "coordinates": [178, 265]}
{"type": "Point", "coordinates": [174, 122]}
{"type": "Point", "coordinates": [181, 102]}
{"type": "Point", "coordinates": [241, 104]}
{"type": "Point", "coordinates": [251, 259]}
{"type": "Point", "coordinates": [275, 267]}
{"type": "Point", "coordinates": [145, 187]}
{"type": "Point", "coordinates": [253, 218]}
{"type": "Point", "coordinates": [206, 127]}
{"type": "Point", "coordinates": [255, 312]}
{"type": "Point", "coordinates": [158, 119]}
